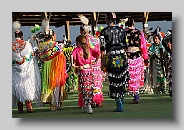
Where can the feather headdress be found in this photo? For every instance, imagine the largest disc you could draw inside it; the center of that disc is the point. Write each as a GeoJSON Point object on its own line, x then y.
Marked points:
{"type": "Point", "coordinates": [85, 22]}
{"type": "Point", "coordinates": [45, 25]}
{"type": "Point", "coordinates": [83, 19]}
{"type": "Point", "coordinates": [16, 26]}
{"type": "Point", "coordinates": [124, 20]}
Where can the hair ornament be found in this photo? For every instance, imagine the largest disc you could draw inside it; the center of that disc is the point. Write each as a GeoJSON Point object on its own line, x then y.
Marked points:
{"type": "Point", "coordinates": [16, 25]}
{"type": "Point", "coordinates": [45, 25]}
{"type": "Point", "coordinates": [83, 19]}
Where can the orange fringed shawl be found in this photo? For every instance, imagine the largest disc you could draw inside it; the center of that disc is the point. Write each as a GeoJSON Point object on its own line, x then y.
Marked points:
{"type": "Point", "coordinates": [54, 73]}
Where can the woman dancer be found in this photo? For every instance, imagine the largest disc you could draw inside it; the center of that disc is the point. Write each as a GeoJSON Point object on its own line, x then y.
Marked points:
{"type": "Point", "coordinates": [94, 43]}
{"type": "Point", "coordinates": [81, 59]}
{"type": "Point", "coordinates": [53, 69]}
{"type": "Point", "coordinates": [157, 52]}
{"type": "Point", "coordinates": [26, 80]}
{"type": "Point", "coordinates": [137, 54]}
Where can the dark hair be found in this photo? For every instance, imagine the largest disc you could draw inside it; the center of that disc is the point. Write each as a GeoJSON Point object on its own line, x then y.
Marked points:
{"type": "Point", "coordinates": [156, 36]}
{"type": "Point", "coordinates": [18, 34]}
{"type": "Point", "coordinates": [82, 27]}
{"type": "Point", "coordinates": [130, 22]}
{"type": "Point", "coordinates": [49, 35]}
{"type": "Point", "coordinates": [40, 35]}
{"type": "Point", "coordinates": [82, 42]}
{"type": "Point", "coordinates": [110, 17]}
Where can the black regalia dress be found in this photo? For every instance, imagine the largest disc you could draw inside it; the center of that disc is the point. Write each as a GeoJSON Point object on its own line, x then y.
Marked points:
{"type": "Point", "coordinates": [116, 63]}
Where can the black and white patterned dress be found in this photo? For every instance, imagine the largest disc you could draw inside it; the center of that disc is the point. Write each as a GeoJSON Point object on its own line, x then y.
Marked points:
{"type": "Point", "coordinates": [117, 63]}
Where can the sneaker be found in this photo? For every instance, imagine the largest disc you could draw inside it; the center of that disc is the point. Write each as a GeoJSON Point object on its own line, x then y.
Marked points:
{"type": "Point", "coordinates": [89, 110]}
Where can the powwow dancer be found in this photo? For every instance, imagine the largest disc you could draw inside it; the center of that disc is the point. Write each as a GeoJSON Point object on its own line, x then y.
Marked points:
{"type": "Point", "coordinates": [117, 62]}
{"type": "Point", "coordinates": [149, 78]}
{"type": "Point", "coordinates": [53, 72]}
{"type": "Point", "coordinates": [157, 52]}
{"type": "Point", "coordinates": [137, 54]}
{"type": "Point", "coordinates": [167, 43]}
{"type": "Point", "coordinates": [81, 59]}
{"type": "Point", "coordinates": [94, 43]}
{"type": "Point", "coordinates": [26, 80]}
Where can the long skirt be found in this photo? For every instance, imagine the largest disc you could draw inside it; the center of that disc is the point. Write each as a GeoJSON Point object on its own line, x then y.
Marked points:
{"type": "Point", "coordinates": [136, 71]}
{"type": "Point", "coordinates": [117, 68]}
{"type": "Point", "coordinates": [26, 82]}
{"type": "Point", "coordinates": [85, 86]}
{"type": "Point", "coordinates": [98, 83]}
{"type": "Point", "coordinates": [158, 73]}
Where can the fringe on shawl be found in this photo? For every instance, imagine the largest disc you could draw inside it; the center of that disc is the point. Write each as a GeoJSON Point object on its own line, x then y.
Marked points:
{"type": "Point", "coordinates": [58, 73]}
{"type": "Point", "coordinates": [143, 47]}
{"type": "Point", "coordinates": [54, 74]}
{"type": "Point", "coordinates": [45, 77]}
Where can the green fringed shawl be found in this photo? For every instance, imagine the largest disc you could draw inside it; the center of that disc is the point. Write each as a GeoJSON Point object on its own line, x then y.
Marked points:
{"type": "Point", "coordinates": [45, 76]}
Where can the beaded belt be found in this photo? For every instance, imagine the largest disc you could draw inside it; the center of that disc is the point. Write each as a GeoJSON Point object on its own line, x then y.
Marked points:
{"type": "Point", "coordinates": [133, 49]}
{"type": "Point", "coordinates": [85, 66]}
{"type": "Point", "coordinates": [116, 52]}
{"type": "Point", "coordinates": [97, 90]}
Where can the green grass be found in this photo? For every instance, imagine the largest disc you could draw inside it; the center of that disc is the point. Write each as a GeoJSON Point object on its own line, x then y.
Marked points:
{"type": "Point", "coordinates": [151, 106]}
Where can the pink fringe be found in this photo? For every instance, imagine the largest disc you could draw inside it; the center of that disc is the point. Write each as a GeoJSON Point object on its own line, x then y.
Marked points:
{"type": "Point", "coordinates": [143, 47]}
{"type": "Point", "coordinates": [98, 98]}
{"type": "Point", "coordinates": [136, 72]}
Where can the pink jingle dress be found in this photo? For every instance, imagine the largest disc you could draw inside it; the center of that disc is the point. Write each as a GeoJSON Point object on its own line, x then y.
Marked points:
{"type": "Point", "coordinates": [85, 75]}
{"type": "Point", "coordinates": [98, 98]}
{"type": "Point", "coordinates": [137, 53]}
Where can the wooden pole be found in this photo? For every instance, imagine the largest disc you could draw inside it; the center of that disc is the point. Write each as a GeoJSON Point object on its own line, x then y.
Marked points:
{"type": "Point", "coordinates": [44, 15]}
{"type": "Point", "coordinates": [49, 16]}
{"type": "Point", "coordinates": [144, 21]}
{"type": "Point", "coordinates": [93, 22]}
{"type": "Point", "coordinates": [68, 19]}
{"type": "Point", "coordinates": [97, 16]}
{"type": "Point", "coordinates": [67, 30]}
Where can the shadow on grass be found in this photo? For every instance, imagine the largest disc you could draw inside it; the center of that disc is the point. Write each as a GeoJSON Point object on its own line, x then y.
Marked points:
{"type": "Point", "coordinates": [151, 106]}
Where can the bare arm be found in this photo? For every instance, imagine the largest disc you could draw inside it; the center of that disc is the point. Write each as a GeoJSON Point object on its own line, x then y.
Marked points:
{"type": "Point", "coordinates": [72, 61]}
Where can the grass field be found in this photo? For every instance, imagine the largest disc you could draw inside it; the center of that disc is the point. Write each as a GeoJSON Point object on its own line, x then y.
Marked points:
{"type": "Point", "coordinates": [151, 106]}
